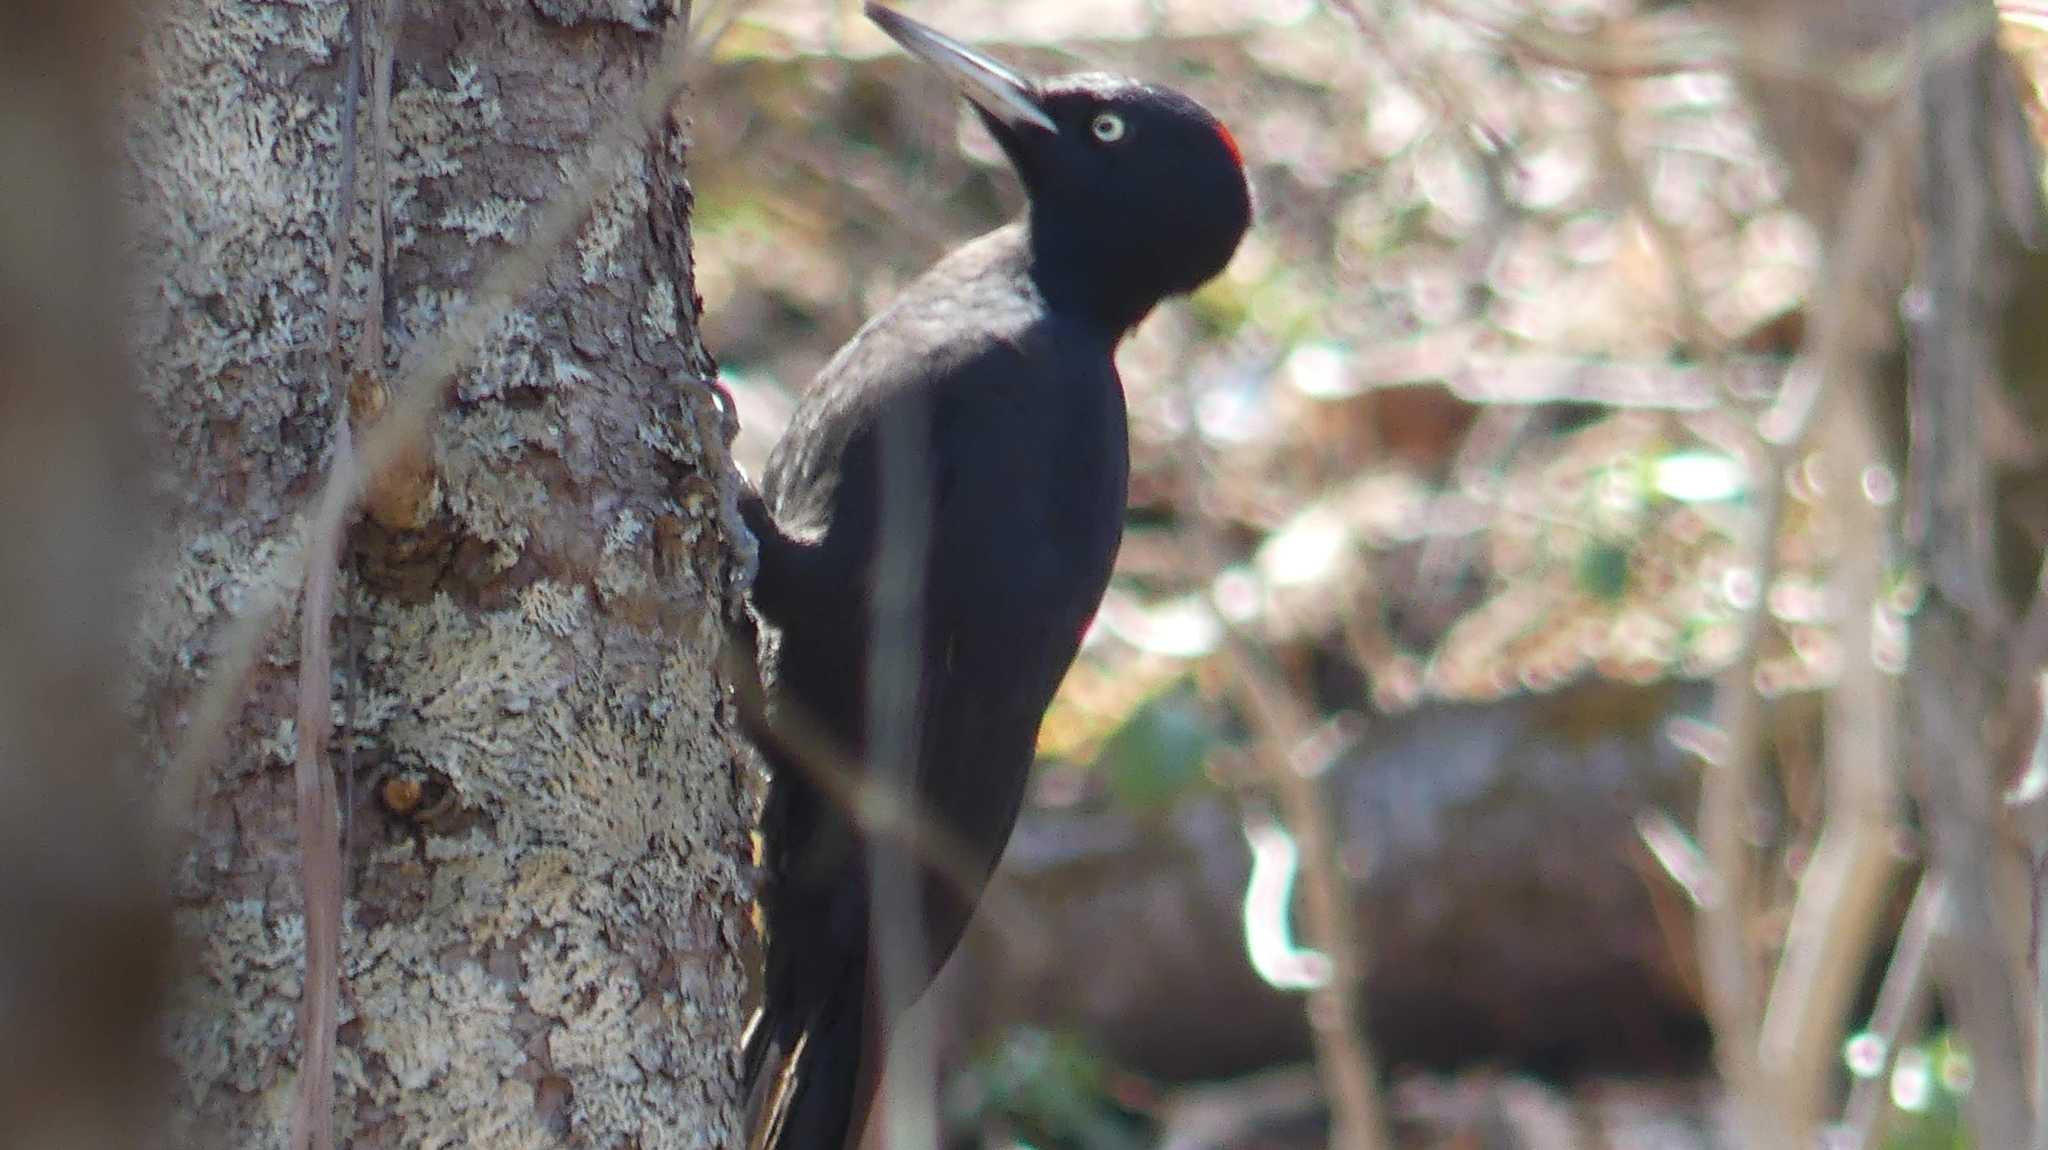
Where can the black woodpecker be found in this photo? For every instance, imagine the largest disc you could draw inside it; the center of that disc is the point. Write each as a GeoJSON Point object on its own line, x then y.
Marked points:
{"type": "Point", "coordinates": [1000, 365]}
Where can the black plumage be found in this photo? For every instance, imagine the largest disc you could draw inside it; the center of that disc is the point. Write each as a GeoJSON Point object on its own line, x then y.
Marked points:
{"type": "Point", "coordinates": [998, 364]}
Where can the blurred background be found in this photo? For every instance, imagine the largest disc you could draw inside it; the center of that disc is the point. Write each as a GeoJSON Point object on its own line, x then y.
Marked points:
{"type": "Point", "coordinates": [1442, 527]}
{"type": "Point", "coordinates": [1573, 678]}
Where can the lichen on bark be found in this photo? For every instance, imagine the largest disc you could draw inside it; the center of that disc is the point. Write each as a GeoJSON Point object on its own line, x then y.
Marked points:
{"type": "Point", "coordinates": [545, 952]}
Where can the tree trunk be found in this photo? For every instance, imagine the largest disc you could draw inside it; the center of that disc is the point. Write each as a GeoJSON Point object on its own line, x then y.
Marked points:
{"type": "Point", "coordinates": [543, 800]}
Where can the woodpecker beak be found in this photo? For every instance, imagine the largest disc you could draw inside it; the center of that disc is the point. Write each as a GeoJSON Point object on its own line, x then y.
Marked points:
{"type": "Point", "coordinates": [996, 90]}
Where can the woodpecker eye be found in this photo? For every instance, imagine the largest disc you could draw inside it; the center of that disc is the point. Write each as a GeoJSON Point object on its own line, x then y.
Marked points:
{"type": "Point", "coordinates": [1108, 127]}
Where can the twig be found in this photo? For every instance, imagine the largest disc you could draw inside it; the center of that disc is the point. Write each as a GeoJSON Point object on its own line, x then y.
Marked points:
{"type": "Point", "coordinates": [1696, 336]}
{"type": "Point", "coordinates": [1956, 629]}
{"type": "Point", "coordinates": [1729, 964]}
{"type": "Point", "coordinates": [1426, 76]}
{"type": "Point", "coordinates": [1667, 860]}
{"type": "Point", "coordinates": [881, 810]}
{"type": "Point", "coordinates": [370, 359]}
{"type": "Point", "coordinates": [1902, 1001]}
{"type": "Point", "coordinates": [1773, 1110]}
{"type": "Point", "coordinates": [895, 656]}
{"type": "Point", "coordinates": [2024, 713]}
{"type": "Point", "coordinates": [900, 635]}
{"type": "Point", "coordinates": [343, 218]}
{"type": "Point", "coordinates": [1839, 903]}
{"type": "Point", "coordinates": [1282, 733]}
{"type": "Point", "coordinates": [1675, 855]}
{"type": "Point", "coordinates": [2037, 943]}
{"type": "Point", "coordinates": [1842, 890]}
{"type": "Point", "coordinates": [241, 646]}
{"type": "Point", "coordinates": [382, 56]}
{"type": "Point", "coordinates": [1645, 48]}
{"type": "Point", "coordinates": [1666, 45]}
{"type": "Point", "coordinates": [319, 830]}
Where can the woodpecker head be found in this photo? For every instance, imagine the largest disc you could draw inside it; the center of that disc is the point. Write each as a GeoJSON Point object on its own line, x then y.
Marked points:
{"type": "Point", "coordinates": [1137, 192]}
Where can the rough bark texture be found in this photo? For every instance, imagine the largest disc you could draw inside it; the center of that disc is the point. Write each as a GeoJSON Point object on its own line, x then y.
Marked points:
{"type": "Point", "coordinates": [543, 798]}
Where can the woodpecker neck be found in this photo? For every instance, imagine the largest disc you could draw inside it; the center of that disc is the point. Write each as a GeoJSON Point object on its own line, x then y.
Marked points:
{"type": "Point", "coordinates": [1087, 275]}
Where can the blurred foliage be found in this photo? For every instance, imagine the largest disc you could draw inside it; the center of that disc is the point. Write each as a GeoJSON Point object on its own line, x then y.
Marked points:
{"type": "Point", "coordinates": [1452, 398]}
{"type": "Point", "coordinates": [1928, 1083]}
{"type": "Point", "coordinates": [1469, 416]}
{"type": "Point", "coordinates": [1051, 1092]}
{"type": "Point", "coordinates": [1159, 752]}
{"type": "Point", "coordinates": [1101, 704]}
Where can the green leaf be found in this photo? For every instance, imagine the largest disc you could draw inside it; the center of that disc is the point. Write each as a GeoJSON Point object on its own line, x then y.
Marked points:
{"type": "Point", "coordinates": [1603, 570]}
{"type": "Point", "coordinates": [1159, 752]}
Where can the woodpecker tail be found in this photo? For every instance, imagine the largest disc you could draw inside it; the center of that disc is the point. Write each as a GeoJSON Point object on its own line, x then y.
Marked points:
{"type": "Point", "coordinates": [810, 1080]}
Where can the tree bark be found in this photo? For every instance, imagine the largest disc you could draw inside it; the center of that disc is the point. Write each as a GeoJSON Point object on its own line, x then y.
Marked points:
{"type": "Point", "coordinates": [543, 797]}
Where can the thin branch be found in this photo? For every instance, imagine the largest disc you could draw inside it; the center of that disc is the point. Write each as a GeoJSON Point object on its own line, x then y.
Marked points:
{"type": "Point", "coordinates": [1730, 967]}
{"type": "Point", "coordinates": [2023, 713]}
{"type": "Point", "coordinates": [1675, 855]}
{"type": "Point", "coordinates": [228, 680]}
{"type": "Point", "coordinates": [1426, 76]}
{"type": "Point", "coordinates": [1696, 335]}
{"type": "Point", "coordinates": [1957, 628]}
{"type": "Point", "coordinates": [344, 211]}
{"type": "Point", "coordinates": [1840, 900]}
{"type": "Point", "coordinates": [319, 829]}
{"type": "Point", "coordinates": [1902, 1002]}
{"type": "Point", "coordinates": [882, 811]}
{"type": "Point", "coordinates": [319, 832]}
{"type": "Point", "coordinates": [1283, 732]}
{"type": "Point", "coordinates": [1669, 44]}
{"type": "Point", "coordinates": [1674, 876]}
{"type": "Point", "coordinates": [1843, 889]}
{"type": "Point", "coordinates": [900, 634]}
{"type": "Point", "coordinates": [382, 56]}
{"type": "Point", "coordinates": [2037, 943]}
{"type": "Point", "coordinates": [369, 357]}
{"type": "Point", "coordinates": [1729, 964]}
